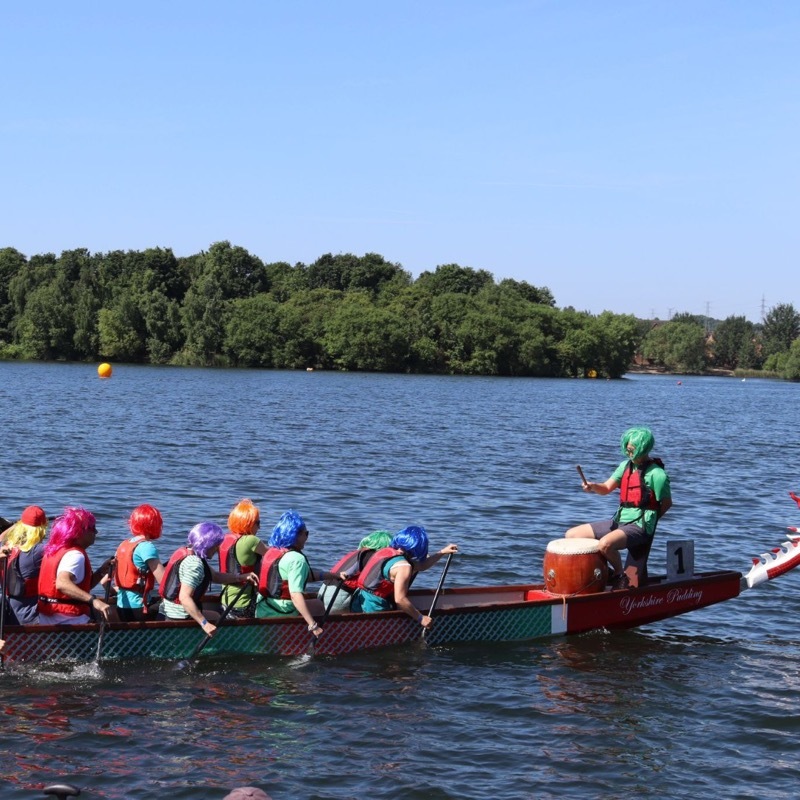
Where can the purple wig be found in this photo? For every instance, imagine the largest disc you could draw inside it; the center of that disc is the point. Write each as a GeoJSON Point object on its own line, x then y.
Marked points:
{"type": "Point", "coordinates": [68, 528]}
{"type": "Point", "coordinates": [413, 541]}
{"type": "Point", "coordinates": [285, 533]}
{"type": "Point", "coordinates": [205, 536]}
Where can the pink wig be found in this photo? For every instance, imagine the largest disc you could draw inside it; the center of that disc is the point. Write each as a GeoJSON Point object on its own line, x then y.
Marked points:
{"type": "Point", "coordinates": [68, 528]}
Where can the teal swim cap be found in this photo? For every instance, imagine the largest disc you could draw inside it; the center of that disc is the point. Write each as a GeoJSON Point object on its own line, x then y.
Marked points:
{"type": "Point", "coordinates": [640, 438]}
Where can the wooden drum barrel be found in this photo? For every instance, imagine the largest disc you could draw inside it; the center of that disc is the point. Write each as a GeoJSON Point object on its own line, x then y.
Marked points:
{"type": "Point", "coordinates": [574, 566]}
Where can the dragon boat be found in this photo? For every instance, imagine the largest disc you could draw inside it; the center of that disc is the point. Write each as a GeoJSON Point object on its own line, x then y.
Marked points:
{"type": "Point", "coordinates": [477, 614]}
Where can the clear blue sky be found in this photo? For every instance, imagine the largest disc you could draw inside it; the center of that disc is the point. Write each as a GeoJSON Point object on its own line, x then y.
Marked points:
{"type": "Point", "coordinates": [640, 157]}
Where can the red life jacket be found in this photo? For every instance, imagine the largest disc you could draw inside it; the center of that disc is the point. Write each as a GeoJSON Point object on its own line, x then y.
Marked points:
{"type": "Point", "coordinates": [353, 564]}
{"type": "Point", "coordinates": [51, 600]}
{"type": "Point", "coordinates": [128, 576]}
{"type": "Point", "coordinates": [371, 577]}
{"type": "Point", "coordinates": [270, 583]}
{"type": "Point", "coordinates": [170, 586]}
{"type": "Point", "coordinates": [228, 561]}
{"type": "Point", "coordinates": [16, 586]}
{"type": "Point", "coordinates": [633, 492]}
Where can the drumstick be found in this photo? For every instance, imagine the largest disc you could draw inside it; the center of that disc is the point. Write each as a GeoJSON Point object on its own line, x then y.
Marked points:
{"type": "Point", "coordinates": [580, 472]}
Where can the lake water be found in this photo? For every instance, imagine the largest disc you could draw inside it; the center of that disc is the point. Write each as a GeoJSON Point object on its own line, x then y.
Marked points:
{"type": "Point", "coordinates": [703, 704]}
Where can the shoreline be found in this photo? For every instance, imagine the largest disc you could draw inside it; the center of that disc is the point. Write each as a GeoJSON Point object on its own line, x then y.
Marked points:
{"type": "Point", "coordinates": [714, 371]}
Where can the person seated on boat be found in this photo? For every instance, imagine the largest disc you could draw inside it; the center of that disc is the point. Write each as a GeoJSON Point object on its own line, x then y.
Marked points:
{"type": "Point", "coordinates": [24, 547]}
{"type": "Point", "coordinates": [66, 577]}
{"type": "Point", "coordinates": [337, 594]}
{"type": "Point", "coordinates": [138, 568]}
{"type": "Point", "coordinates": [285, 571]}
{"type": "Point", "coordinates": [385, 580]}
{"type": "Point", "coordinates": [241, 551]}
{"type": "Point", "coordinates": [188, 576]}
{"type": "Point", "coordinates": [644, 498]}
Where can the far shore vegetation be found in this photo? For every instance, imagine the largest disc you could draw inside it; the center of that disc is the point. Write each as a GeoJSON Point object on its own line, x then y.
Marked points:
{"type": "Point", "coordinates": [225, 307]}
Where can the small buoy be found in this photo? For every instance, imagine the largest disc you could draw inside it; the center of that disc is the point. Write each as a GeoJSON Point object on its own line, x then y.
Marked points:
{"type": "Point", "coordinates": [309, 369]}
{"type": "Point", "coordinates": [104, 370]}
{"type": "Point", "coordinates": [680, 383]}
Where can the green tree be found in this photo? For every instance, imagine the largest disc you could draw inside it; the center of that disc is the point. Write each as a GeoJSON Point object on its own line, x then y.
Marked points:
{"type": "Point", "coordinates": [579, 348]}
{"type": "Point", "coordinates": [45, 328]}
{"type": "Point", "coordinates": [781, 328]}
{"type": "Point", "coordinates": [453, 279]}
{"type": "Point", "coordinates": [361, 336]}
{"type": "Point", "coordinates": [12, 262]}
{"type": "Point", "coordinates": [301, 329]}
{"type": "Point", "coordinates": [617, 338]}
{"type": "Point", "coordinates": [791, 365]}
{"type": "Point", "coordinates": [730, 338]}
{"type": "Point", "coordinates": [286, 280]}
{"type": "Point", "coordinates": [163, 326]}
{"type": "Point", "coordinates": [533, 294]}
{"type": "Point", "coordinates": [119, 330]}
{"type": "Point", "coordinates": [678, 346]}
{"type": "Point", "coordinates": [251, 332]}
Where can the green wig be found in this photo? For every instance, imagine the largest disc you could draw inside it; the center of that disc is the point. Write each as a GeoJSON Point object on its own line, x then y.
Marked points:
{"type": "Point", "coordinates": [642, 440]}
{"type": "Point", "coordinates": [376, 540]}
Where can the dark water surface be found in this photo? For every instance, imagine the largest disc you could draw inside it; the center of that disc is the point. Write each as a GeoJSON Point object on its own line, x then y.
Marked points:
{"type": "Point", "coordinates": [701, 705]}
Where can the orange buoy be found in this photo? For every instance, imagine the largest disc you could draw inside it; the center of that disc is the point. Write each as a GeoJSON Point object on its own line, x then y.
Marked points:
{"type": "Point", "coordinates": [104, 370]}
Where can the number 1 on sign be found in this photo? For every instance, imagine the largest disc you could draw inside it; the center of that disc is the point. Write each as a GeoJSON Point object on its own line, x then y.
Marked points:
{"type": "Point", "coordinates": [680, 559]}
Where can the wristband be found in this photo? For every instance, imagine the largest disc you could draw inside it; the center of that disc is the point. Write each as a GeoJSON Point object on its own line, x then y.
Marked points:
{"type": "Point", "coordinates": [420, 619]}
{"type": "Point", "coordinates": [203, 622]}
{"type": "Point", "coordinates": [313, 627]}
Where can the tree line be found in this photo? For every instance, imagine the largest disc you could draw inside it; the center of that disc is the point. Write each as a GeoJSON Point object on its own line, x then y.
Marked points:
{"type": "Point", "coordinates": [225, 307]}
{"type": "Point", "coordinates": [695, 344]}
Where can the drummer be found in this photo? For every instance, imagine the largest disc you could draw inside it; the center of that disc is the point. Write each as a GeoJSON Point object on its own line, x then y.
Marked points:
{"type": "Point", "coordinates": [644, 498]}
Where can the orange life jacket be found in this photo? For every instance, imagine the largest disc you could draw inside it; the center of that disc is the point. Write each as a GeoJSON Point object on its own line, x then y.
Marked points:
{"type": "Point", "coordinates": [128, 576]}
{"type": "Point", "coordinates": [51, 600]}
{"type": "Point", "coordinates": [270, 583]}
{"type": "Point", "coordinates": [353, 564]}
{"type": "Point", "coordinates": [228, 561]}
{"type": "Point", "coordinates": [371, 577]}
{"type": "Point", "coordinates": [633, 491]}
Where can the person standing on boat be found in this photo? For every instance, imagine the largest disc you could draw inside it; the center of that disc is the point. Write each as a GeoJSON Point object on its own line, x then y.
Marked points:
{"type": "Point", "coordinates": [285, 571]}
{"type": "Point", "coordinates": [138, 568]}
{"type": "Point", "coordinates": [644, 498]}
{"type": "Point", "coordinates": [385, 580]}
{"type": "Point", "coordinates": [241, 551]}
{"type": "Point", "coordinates": [66, 577]}
{"type": "Point", "coordinates": [24, 548]}
{"type": "Point", "coordinates": [188, 576]}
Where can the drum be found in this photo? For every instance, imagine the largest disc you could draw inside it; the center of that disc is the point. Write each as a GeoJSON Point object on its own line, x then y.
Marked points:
{"type": "Point", "coordinates": [574, 566]}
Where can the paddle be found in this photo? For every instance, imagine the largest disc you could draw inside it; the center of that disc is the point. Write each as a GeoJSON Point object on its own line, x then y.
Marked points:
{"type": "Point", "coordinates": [3, 606]}
{"type": "Point", "coordinates": [183, 664]}
{"type": "Point", "coordinates": [580, 472]}
{"type": "Point", "coordinates": [438, 590]}
{"type": "Point", "coordinates": [103, 617]}
{"type": "Point", "coordinates": [325, 616]}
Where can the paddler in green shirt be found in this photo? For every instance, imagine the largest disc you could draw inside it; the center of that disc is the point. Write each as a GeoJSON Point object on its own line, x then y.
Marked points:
{"type": "Point", "coordinates": [241, 551]}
